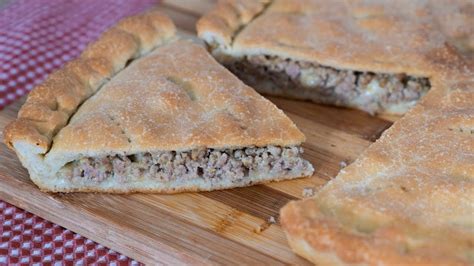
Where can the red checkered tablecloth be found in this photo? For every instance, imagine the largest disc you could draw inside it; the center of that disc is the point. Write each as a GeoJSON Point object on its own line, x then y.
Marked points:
{"type": "Point", "coordinates": [28, 239]}
{"type": "Point", "coordinates": [37, 37]}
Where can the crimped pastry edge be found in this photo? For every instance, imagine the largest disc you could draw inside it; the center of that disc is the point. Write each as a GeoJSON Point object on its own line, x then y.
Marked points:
{"type": "Point", "coordinates": [307, 228]}
{"type": "Point", "coordinates": [50, 105]}
{"type": "Point", "coordinates": [219, 27]}
{"type": "Point", "coordinates": [32, 139]}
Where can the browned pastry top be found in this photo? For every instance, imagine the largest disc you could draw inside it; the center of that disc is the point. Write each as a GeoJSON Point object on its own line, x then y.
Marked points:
{"type": "Point", "coordinates": [139, 88]}
{"type": "Point", "coordinates": [176, 98]}
{"type": "Point", "coordinates": [50, 105]}
{"type": "Point", "coordinates": [378, 36]}
{"type": "Point", "coordinates": [409, 197]}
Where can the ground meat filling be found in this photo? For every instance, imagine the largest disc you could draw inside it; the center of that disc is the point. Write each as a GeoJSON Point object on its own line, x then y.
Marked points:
{"type": "Point", "coordinates": [210, 164]}
{"type": "Point", "coordinates": [372, 92]}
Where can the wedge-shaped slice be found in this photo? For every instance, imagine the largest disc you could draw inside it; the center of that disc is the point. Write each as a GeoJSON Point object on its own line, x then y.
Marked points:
{"type": "Point", "coordinates": [370, 55]}
{"type": "Point", "coordinates": [408, 200]}
{"type": "Point", "coordinates": [158, 114]}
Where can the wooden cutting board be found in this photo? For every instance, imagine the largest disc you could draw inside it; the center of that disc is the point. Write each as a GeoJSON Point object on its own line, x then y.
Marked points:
{"type": "Point", "coordinates": [225, 227]}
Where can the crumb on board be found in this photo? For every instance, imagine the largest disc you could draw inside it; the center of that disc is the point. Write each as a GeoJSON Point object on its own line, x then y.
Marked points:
{"type": "Point", "coordinates": [264, 226]}
{"type": "Point", "coordinates": [308, 192]}
{"type": "Point", "coordinates": [343, 164]}
{"type": "Point", "coordinates": [271, 220]}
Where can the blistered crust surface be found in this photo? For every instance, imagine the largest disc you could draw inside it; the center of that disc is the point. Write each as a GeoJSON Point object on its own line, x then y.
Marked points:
{"type": "Point", "coordinates": [409, 198]}
{"type": "Point", "coordinates": [176, 98]}
{"type": "Point", "coordinates": [50, 105]}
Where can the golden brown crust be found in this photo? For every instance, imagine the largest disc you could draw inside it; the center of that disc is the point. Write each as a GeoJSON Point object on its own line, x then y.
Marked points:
{"type": "Point", "coordinates": [50, 105]}
{"type": "Point", "coordinates": [26, 130]}
{"type": "Point", "coordinates": [355, 35]}
{"type": "Point", "coordinates": [132, 109]}
{"type": "Point", "coordinates": [324, 242]}
{"type": "Point", "coordinates": [176, 97]}
{"type": "Point", "coordinates": [222, 23]}
{"type": "Point", "coordinates": [455, 19]}
{"type": "Point", "coordinates": [408, 198]}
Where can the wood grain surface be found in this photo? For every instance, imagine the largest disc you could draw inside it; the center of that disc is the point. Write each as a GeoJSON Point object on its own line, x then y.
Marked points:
{"type": "Point", "coordinates": [224, 227]}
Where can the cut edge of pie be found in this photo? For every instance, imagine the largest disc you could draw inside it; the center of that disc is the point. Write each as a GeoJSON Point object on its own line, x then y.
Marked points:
{"type": "Point", "coordinates": [407, 199]}
{"type": "Point", "coordinates": [73, 135]}
{"type": "Point", "coordinates": [274, 67]}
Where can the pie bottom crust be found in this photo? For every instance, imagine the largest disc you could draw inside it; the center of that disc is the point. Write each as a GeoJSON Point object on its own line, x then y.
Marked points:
{"type": "Point", "coordinates": [141, 89]}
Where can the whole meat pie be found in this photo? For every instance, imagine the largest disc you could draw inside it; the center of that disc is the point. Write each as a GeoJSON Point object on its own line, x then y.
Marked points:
{"type": "Point", "coordinates": [361, 54]}
{"type": "Point", "coordinates": [141, 110]}
{"type": "Point", "coordinates": [409, 198]}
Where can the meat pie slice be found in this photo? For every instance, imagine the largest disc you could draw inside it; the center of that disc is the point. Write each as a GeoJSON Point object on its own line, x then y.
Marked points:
{"type": "Point", "coordinates": [141, 110]}
{"type": "Point", "coordinates": [408, 200]}
{"type": "Point", "coordinates": [369, 55]}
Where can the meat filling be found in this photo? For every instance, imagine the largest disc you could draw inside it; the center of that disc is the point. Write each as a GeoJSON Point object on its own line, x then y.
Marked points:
{"type": "Point", "coordinates": [371, 92]}
{"type": "Point", "coordinates": [210, 164]}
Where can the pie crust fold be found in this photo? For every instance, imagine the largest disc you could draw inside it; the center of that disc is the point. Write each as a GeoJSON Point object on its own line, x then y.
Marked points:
{"type": "Point", "coordinates": [407, 200]}
{"type": "Point", "coordinates": [142, 110]}
{"type": "Point", "coordinates": [343, 53]}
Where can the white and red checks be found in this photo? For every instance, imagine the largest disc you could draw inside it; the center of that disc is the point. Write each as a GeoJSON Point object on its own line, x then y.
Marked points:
{"type": "Point", "coordinates": [27, 239]}
{"type": "Point", "coordinates": [37, 37]}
